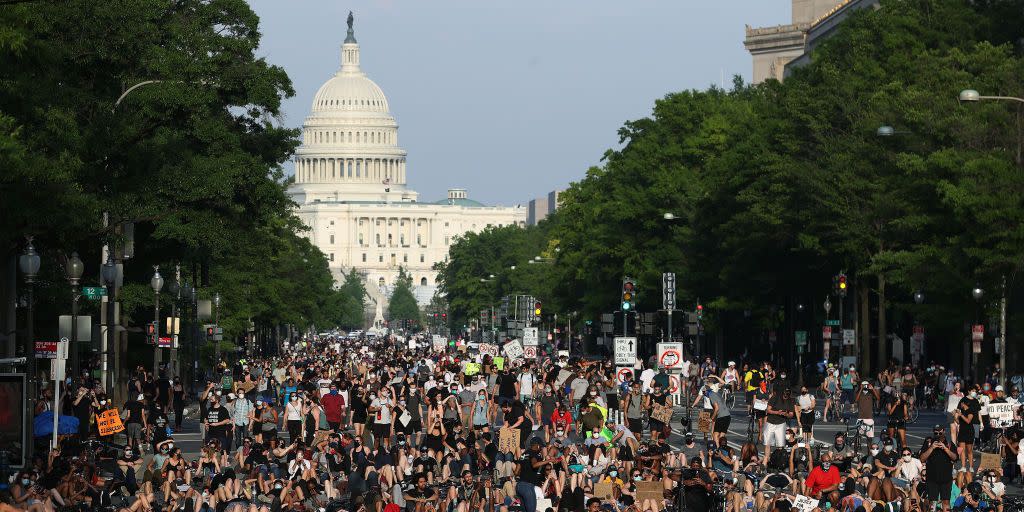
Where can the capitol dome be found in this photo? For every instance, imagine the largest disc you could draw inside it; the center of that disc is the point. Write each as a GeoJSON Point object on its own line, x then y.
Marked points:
{"type": "Point", "coordinates": [350, 148]}
{"type": "Point", "coordinates": [349, 91]}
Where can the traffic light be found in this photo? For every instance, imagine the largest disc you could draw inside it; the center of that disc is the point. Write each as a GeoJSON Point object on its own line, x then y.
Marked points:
{"type": "Point", "coordinates": [628, 302]}
{"type": "Point", "coordinates": [700, 311]}
{"type": "Point", "coordinates": [444, 317]}
{"type": "Point", "coordinates": [536, 309]}
{"type": "Point", "coordinates": [151, 333]}
{"type": "Point", "coordinates": [211, 332]}
{"type": "Point", "coordinates": [840, 284]}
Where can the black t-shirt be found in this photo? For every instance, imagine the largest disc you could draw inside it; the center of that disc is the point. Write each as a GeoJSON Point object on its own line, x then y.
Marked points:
{"type": "Point", "coordinates": [134, 409]}
{"type": "Point", "coordinates": [159, 422]}
{"type": "Point", "coordinates": [973, 407]}
{"type": "Point", "coordinates": [164, 387]}
{"type": "Point", "coordinates": [215, 415]}
{"type": "Point", "coordinates": [507, 385]}
{"type": "Point", "coordinates": [780, 404]}
{"type": "Point", "coordinates": [888, 459]}
{"type": "Point", "coordinates": [491, 451]}
{"type": "Point", "coordinates": [428, 463]}
{"type": "Point", "coordinates": [427, 493]}
{"type": "Point", "coordinates": [939, 466]}
{"type": "Point", "coordinates": [84, 407]}
{"type": "Point", "coordinates": [527, 473]}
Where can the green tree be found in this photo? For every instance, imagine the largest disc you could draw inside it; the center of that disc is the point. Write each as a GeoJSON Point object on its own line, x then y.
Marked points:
{"type": "Point", "coordinates": [402, 303]}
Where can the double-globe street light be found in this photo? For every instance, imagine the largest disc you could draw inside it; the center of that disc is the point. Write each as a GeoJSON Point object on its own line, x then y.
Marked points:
{"type": "Point", "coordinates": [74, 268]}
{"type": "Point", "coordinates": [29, 263]}
{"type": "Point", "coordinates": [157, 283]}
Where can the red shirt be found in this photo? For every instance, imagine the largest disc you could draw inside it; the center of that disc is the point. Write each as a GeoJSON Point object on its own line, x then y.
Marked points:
{"type": "Point", "coordinates": [332, 407]}
{"type": "Point", "coordinates": [564, 419]}
{"type": "Point", "coordinates": [819, 479]}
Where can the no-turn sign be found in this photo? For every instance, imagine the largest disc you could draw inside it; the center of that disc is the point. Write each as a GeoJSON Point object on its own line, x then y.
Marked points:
{"type": "Point", "coordinates": [670, 355]}
{"type": "Point", "coordinates": [623, 373]}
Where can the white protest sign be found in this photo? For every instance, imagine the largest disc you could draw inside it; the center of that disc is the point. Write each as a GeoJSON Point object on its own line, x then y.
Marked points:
{"type": "Point", "coordinates": [625, 351]}
{"type": "Point", "coordinates": [514, 349]}
{"type": "Point", "coordinates": [849, 337]}
{"type": "Point", "coordinates": [530, 352]}
{"type": "Point", "coordinates": [805, 503]}
{"type": "Point", "coordinates": [488, 349]}
{"type": "Point", "coordinates": [1001, 411]}
{"type": "Point", "coordinates": [439, 343]}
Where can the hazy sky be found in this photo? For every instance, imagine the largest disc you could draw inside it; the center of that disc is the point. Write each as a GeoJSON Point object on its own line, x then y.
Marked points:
{"type": "Point", "coordinates": [512, 99]}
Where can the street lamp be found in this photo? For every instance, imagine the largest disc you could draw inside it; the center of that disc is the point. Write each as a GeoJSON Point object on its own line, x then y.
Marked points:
{"type": "Point", "coordinates": [669, 216]}
{"type": "Point", "coordinates": [977, 292]}
{"type": "Point", "coordinates": [827, 305]}
{"type": "Point", "coordinates": [919, 297]}
{"type": "Point", "coordinates": [29, 263]}
{"type": "Point", "coordinates": [157, 283]}
{"type": "Point", "coordinates": [800, 307]}
{"type": "Point", "coordinates": [109, 274]}
{"type": "Point", "coordinates": [74, 269]}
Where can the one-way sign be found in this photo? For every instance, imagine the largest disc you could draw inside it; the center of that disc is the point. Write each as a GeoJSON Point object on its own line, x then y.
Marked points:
{"type": "Point", "coordinates": [625, 351]}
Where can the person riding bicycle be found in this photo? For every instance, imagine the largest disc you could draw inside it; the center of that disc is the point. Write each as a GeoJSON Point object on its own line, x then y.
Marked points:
{"type": "Point", "coordinates": [847, 382]}
{"type": "Point", "coordinates": [830, 386]}
{"type": "Point", "coordinates": [752, 382]}
{"type": "Point", "coordinates": [731, 377]}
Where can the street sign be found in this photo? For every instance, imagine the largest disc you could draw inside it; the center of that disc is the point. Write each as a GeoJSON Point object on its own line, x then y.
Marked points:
{"type": "Point", "coordinates": [530, 337]}
{"type": "Point", "coordinates": [849, 337]}
{"type": "Point", "coordinates": [826, 333]}
{"type": "Point", "coordinates": [46, 350]}
{"type": "Point", "coordinates": [513, 349]}
{"type": "Point", "coordinates": [670, 355]}
{"type": "Point", "coordinates": [94, 292]}
{"type": "Point", "coordinates": [622, 373]}
{"type": "Point", "coordinates": [668, 291]}
{"type": "Point", "coordinates": [625, 351]}
{"type": "Point", "coordinates": [164, 342]}
{"type": "Point", "coordinates": [977, 332]}
{"type": "Point", "coordinates": [832, 323]}
{"type": "Point", "coordinates": [530, 352]}
{"type": "Point", "coordinates": [62, 348]}
{"type": "Point", "coordinates": [801, 338]}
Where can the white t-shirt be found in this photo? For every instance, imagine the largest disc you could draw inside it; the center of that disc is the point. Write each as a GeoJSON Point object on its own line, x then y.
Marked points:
{"type": "Point", "coordinates": [952, 403]}
{"type": "Point", "coordinates": [686, 369]}
{"type": "Point", "coordinates": [526, 384]}
{"type": "Point", "coordinates": [911, 470]}
{"type": "Point", "coordinates": [645, 378]}
{"type": "Point", "coordinates": [325, 386]}
{"type": "Point", "coordinates": [384, 414]}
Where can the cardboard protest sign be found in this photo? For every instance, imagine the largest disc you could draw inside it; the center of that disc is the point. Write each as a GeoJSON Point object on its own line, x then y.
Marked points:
{"type": "Point", "coordinates": [654, 491]}
{"type": "Point", "coordinates": [990, 461]}
{"type": "Point", "coordinates": [603, 490]}
{"type": "Point", "coordinates": [508, 440]}
{"type": "Point", "coordinates": [662, 413]}
{"type": "Point", "coordinates": [805, 503]}
{"type": "Point", "coordinates": [109, 422]}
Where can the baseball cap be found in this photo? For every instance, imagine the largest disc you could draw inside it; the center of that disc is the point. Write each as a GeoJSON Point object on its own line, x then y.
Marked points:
{"type": "Point", "coordinates": [999, 388]}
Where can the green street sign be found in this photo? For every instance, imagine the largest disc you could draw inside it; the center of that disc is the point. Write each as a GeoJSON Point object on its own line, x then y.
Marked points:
{"type": "Point", "coordinates": [801, 338]}
{"type": "Point", "coordinates": [94, 292]}
{"type": "Point", "coordinates": [833, 323]}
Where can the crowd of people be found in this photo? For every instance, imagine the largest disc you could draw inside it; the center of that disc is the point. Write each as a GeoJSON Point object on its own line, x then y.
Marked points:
{"type": "Point", "coordinates": [393, 424]}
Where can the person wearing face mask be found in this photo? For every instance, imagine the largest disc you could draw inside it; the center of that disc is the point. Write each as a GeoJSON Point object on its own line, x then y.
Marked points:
{"type": "Point", "coordinates": [84, 405]}
{"type": "Point", "coordinates": [965, 417]}
{"type": "Point", "coordinates": [333, 404]}
{"type": "Point", "coordinates": [136, 422]}
{"type": "Point", "coordinates": [720, 414]}
{"type": "Point", "coordinates": [292, 420]}
{"type": "Point", "coordinates": [781, 407]}
{"type": "Point", "coordinates": [547, 404]}
{"type": "Point", "coordinates": [806, 404]}
{"type": "Point", "coordinates": [482, 412]}
{"type": "Point", "coordinates": [823, 480]}
{"type": "Point", "coordinates": [908, 469]}
{"type": "Point", "coordinates": [886, 460]}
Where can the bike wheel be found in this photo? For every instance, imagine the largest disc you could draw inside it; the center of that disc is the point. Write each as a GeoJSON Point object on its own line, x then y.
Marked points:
{"type": "Point", "coordinates": [730, 400]}
{"type": "Point", "coordinates": [820, 394]}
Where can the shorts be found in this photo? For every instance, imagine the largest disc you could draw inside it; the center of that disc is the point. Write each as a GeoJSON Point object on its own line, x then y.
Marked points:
{"type": "Point", "coordinates": [965, 435]}
{"type": "Point", "coordinates": [381, 430]}
{"type": "Point", "coordinates": [415, 425]}
{"type": "Point", "coordinates": [635, 424]}
{"type": "Point", "coordinates": [133, 431]}
{"type": "Point", "coordinates": [807, 420]}
{"type": "Point", "coordinates": [938, 490]}
{"type": "Point", "coordinates": [897, 424]}
{"type": "Point", "coordinates": [625, 453]}
{"type": "Point", "coordinates": [775, 435]}
{"type": "Point", "coordinates": [847, 395]}
{"type": "Point", "coordinates": [722, 424]}
{"type": "Point", "coordinates": [502, 400]}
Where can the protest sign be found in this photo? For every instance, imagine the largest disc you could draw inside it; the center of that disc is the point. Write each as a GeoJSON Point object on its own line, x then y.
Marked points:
{"type": "Point", "coordinates": [109, 422]}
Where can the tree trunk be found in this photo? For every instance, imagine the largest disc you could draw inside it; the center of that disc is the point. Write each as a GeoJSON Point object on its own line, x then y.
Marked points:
{"type": "Point", "coordinates": [864, 316]}
{"type": "Point", "coordinates": [883, 340]}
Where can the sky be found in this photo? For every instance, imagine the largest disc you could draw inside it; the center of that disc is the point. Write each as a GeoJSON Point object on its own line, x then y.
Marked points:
{"type": "Point", "coordinates": [512, 99]}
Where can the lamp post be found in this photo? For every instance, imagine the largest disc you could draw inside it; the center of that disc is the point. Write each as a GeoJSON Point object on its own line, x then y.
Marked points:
{"type": "Point", "coordinates": [175, 288]}
{"type": "Point", "coordinates": [109, 274]}
{"type": "Point", "coordinates": [972, 96]}
{"type": "Point", "coordinates": [157, 283]}
{"type": "Point", "coordinates": [216, 322]}
{"type": "Point", "coordinates": [29, 263]}
{"type": "Point", "coordinates": [919, 297]}
{"type": "Point", "coordinates": [74, 269]}
{"type": "Point", "coordinates": [978, 293]}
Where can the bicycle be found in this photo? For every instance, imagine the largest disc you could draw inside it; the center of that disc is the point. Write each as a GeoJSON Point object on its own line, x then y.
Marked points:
{"type": "Point", "coordinates": [729, 396]}
{"type": "Point", "coordinates": [855, 432]}
{"type": "Point", "coordinates": [834, 409]}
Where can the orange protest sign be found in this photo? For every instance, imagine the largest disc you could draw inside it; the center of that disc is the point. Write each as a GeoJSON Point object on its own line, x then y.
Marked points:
{"type": "Point", "coordinates": [109, 422]}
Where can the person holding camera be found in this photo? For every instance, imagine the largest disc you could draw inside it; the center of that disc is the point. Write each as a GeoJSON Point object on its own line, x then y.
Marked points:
{"type": "Point", "coordinates": [781, 408]}
{"type": "Point", "coordinates": [938, 460]}
{"type": "Point", "coordinates": [866, 398]}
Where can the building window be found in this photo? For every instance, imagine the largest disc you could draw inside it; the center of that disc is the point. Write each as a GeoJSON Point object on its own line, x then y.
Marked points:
{"type": "Point", "coordinates": [419, 240]}
{"type": "Point", "coordinates": [393, 259]}
{"type": "Point", "coordinates": [332, 222]}
{"type": "Point", "coordinates": [380, 258]}
{"type": "Point", "coordinates": [389, 240]}
{"type": "Point", "coordinates": [445, 224]}
{"type": "Point", "coordinates": [405, 258]}
{"type": "Point", "coordinates": [332, 256]}
{"type": "Point", "coordinates": [364, 257]}
{"type": "Point", "coordinates": [380, 282]}
{"type": "Point", "coordinates": [361, 240]}
{"type": "Point", "coordinates": [446, 240]}
{"type": "Point", "coordinates": [378, 239]}
{"type": "Point", "coordinates": [423, 281]}
{"type": "Point", "coordinates": [401, 240]}
{"type": "Point", "coordinates": [421, 258]}
{"type": "Point", "coordinates": [332, 239]}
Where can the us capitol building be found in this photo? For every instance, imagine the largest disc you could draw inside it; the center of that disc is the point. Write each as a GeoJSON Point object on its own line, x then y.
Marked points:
{"type": "Point", "coordinates": [350, 187]}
